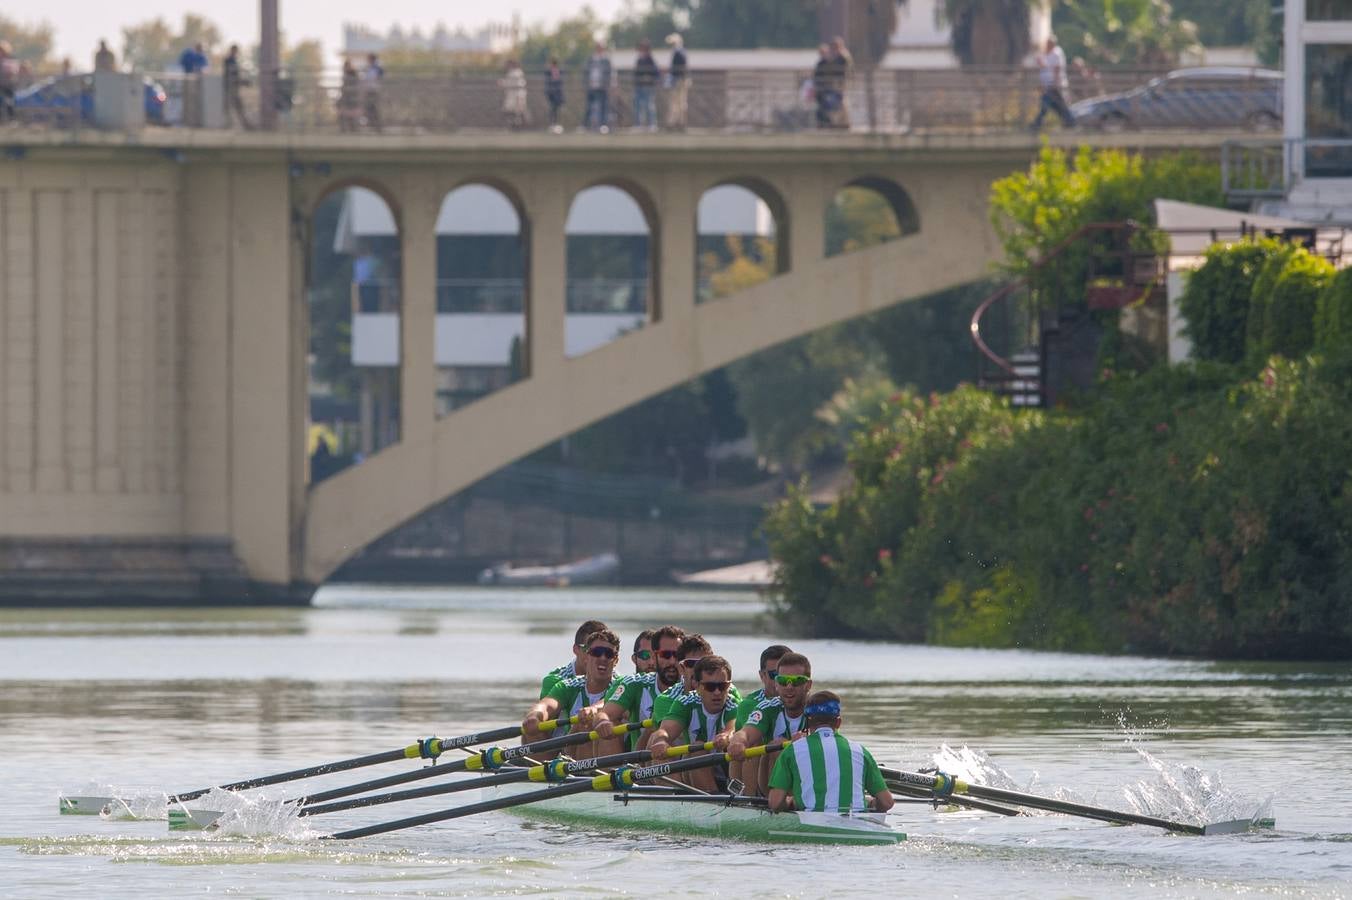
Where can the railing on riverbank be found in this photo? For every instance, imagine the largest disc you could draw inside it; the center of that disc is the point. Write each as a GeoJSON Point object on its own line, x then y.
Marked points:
{"type": "Point", "coordinates": [438, 100]}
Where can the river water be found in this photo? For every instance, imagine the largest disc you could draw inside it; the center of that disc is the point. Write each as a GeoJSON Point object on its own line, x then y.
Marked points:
{"type": "Point", "coordinates": [155, 700]}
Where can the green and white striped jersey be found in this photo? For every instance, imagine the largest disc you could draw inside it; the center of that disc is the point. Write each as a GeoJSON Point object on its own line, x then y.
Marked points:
{"type": "Point", "coordinates": [827, 772]}
{"type": "Point", "coordinates": [572, 695]}
{"type": "Point", "coordinates": [554, 676]}
{"type": "Point", "coordinates": [773, 721]}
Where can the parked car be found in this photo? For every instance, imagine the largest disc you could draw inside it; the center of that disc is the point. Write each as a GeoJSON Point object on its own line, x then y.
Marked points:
{"type": "Point", "coordinates": [58, 98]}
{"type": "Point", "coordinates": [1205, 97]}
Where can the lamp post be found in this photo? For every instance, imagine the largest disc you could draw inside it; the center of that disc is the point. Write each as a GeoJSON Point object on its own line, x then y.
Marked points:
{"type": "Point", "coordinates": [268, 64]}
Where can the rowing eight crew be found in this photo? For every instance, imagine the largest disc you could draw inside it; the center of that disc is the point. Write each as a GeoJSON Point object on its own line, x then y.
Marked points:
{"type": "Point", "coordinates": [687, 691]}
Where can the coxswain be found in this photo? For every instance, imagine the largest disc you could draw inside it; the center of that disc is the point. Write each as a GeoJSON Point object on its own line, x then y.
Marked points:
{"type": "Point", "coordinates": [826, 771]}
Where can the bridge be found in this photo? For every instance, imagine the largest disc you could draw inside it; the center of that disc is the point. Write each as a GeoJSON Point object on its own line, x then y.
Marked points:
{"type": "Point", "coordinates": [154, 325]}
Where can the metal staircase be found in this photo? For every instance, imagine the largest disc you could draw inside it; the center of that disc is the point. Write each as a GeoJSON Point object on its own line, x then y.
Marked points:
{"type": "Point", "coordinates": [1038, 330]}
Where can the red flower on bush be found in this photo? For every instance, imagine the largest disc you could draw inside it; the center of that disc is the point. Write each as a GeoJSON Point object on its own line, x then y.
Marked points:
{"type": "Point", "coordinates": [884, 555]}
{"type": "Point", "coordinates": [1161, 427]}
{"type": "Point", "coordinates": [826, 560]}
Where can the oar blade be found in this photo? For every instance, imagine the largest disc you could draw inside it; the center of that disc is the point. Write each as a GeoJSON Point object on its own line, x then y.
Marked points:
{"type": "Point", "coordinates": [182, 818]}
{"type": "Point", "coordinates": [1236, 826]}
{"type": "Point", "coordinates": [84, 806]}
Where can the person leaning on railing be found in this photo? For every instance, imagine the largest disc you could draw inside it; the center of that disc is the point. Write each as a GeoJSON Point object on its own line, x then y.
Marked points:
{"type": "Point", "coordinates": [678, 84]}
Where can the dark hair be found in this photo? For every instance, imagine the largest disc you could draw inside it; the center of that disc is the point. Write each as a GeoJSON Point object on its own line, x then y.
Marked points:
{"type": "Point", "coordinates": [668, 631]}
{"type": "Point", "coordinates": [692, 642]}
{"type": "Point", "coordinates": [795, 659]}
{"type": "Point", "coordinates": [816, 698]}
{"type": "Point", "coordinates": [586, 628]}
{"type": "Point", "coordinates": [712, 663]}
{"type": "Point", "coordinates": [774, 651]}
{"type": "Point", "coordinates": [644, 636]}
{"type": "Point", "coordinates": [603, 634]}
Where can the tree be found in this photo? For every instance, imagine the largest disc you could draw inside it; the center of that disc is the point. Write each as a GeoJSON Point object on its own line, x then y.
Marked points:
{"type": "Point", "coordinates": [721, 23]}
{"type": "Point", "coordinates": [1233, 23]}
{"type": "Point", "coordinates": [871, 24]}
{"type": "Point", "coordinates": [153, 45]}
{"type": "Point", "coordinates": [1123, 32]}
{"type": "Point", "coordinates": [571, 40]}
{"type": "Point", "coordinates": [31, 43]}
{"type": "Point", "coordinates": [990, 32]}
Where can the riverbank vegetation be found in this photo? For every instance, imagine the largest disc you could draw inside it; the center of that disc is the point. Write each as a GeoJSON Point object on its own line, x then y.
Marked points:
{"type": "Point", "coordinates": [1201, 509]}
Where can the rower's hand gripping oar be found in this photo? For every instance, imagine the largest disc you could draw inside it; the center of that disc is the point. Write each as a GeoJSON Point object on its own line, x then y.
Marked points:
{"type": "Point", "coordinates": [623, 778]}
{"type": "Point", "coordinates": [426, 748]}
{"type": "Point", "coordinates": [485, 761]}
{"type": "Point", "coordinates": [945, 785]}
{"type": "Point", "coordinates": [553, 771]}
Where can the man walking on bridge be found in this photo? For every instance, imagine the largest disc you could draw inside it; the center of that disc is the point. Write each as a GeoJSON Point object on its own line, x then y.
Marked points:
{"type": "Point", "coordinates": [1051, 64]}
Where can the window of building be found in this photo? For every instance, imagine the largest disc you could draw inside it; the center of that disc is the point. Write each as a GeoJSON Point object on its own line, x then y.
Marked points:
{"type": "Point", "coordinates": [1328, 110]}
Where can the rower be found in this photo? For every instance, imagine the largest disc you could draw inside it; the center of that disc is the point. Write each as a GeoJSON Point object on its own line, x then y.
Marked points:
{"type": "Point", "coordinates": [573, 667]}
{"type": "Point", "coordinates": [631, 698]}
{"type": "Point", "coordinates": [642, 658]}
{"type": "Point", "coordinates": [774, 718]}
{"type": "Point", "coordinates": [826, 771]}
{"type": "Point", "coordinates": [571, 696]}
{"type": "Point", "coordinates": [749, 770]}
{"type": "Point", "coordinates": [706, 714]}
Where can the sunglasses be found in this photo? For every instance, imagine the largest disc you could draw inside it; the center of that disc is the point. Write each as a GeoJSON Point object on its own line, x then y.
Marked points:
{"type": "Point", "coordinates": [788, 680]}
{"type": "Point", "coordinates": [602, 653]}
{"type": "Point", "coordinates": [772, 673]}
{"type": "Point", "coordinates": [666, 654]}
{"type": "Point", "coordinates": [645, 655]}
{"type": "Point", "coordinates": [691, 661]}
{"type": "Point", "coordinates": [714, 687]}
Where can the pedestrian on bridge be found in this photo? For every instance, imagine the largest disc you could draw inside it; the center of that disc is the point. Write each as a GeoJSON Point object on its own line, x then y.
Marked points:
{"type": "Point", "coordinates": [646, 75]}
{"type": "Point", "coordinates": [554, 93]}
{"type": "Point", "coordinates": [1051, 65]}
{"type": "Point", "coordinates": [678, 84]}
{"type": "Point", "coordinates": [600, 81]}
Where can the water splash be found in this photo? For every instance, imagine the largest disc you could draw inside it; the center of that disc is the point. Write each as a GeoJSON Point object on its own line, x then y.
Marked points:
{"type": "Point", "coordinates": [1188, 793]}
{"type": "Point", "coordinates": [254, 816]}
{"type": "Point", "coordinates": [127, 802]}
{"type": "Point", "coordinates": [974, 766]}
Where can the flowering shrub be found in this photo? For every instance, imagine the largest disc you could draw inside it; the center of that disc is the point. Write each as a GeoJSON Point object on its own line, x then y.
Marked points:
{"type": "Point", "coordinates": [1181, 511]}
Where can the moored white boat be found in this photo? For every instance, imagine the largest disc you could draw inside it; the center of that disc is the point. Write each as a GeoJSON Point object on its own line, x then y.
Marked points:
{"type": "Point", "coordinates": [674, 814]}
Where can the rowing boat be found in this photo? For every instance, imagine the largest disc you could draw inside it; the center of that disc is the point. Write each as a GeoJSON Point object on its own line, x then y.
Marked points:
{"type": "Point", "coordinates": [720, 816]}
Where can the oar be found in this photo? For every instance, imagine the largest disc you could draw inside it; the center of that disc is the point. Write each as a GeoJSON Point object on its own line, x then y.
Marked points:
{"type": "Point", "coordinates": [916, 794]}
{"type": "Point", "coordinates": [548, 772]}
{"type": "Point", "coordinates": [623, 778]}
{"type": "Point", "coordinates": [490, 759]}
{"type": "Point", "coordinates": [426, 748]}
{"type": "Point", "coordinates": [943, 785]}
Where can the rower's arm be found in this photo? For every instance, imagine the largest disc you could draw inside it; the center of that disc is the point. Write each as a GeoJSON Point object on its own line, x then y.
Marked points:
{"type": "Point", "coordinates": [748, 736]}
{"type": "Point", "coordinates": [543, 710]}
{"type": "Point", "coordinates": [882, 801]}
{"type": "Point", "coordinates": [665, 733]}
{"type": "Point", "coordinates": [610, 715]}
{"type": "Point", "coordinates": [779, 800]}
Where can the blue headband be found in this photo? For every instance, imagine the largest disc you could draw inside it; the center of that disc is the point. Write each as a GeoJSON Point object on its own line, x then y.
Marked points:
{"type": "Point", "coordinates": [829, 708]}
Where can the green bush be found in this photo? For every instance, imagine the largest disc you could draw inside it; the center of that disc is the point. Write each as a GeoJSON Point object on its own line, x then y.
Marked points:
{"type": "Point", "coordinates": [1288, 325]}
{"type": "Point", "coordinates": [1181, 511]}
{"type": "Point", "coordinates": [1333, 317]}
{"type": "Point", "coordinates": [1215, 301]}
{"type": "Point", "coordinates": [1264, 282]}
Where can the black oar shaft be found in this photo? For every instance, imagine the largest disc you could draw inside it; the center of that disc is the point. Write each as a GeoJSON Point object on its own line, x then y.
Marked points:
{"type": "Point", "coordinates": [356, 762]}
{"type": "Point", "coordinates": [918, 793]}
{"type": "Point", "coordinates": [460, 765]}
{"type": "Point", "coordinates": [461, 811]}
{"type": "Point", "coordinates": [1044, 803]}
{"type": "Point", "coordinates": [617, 781]}
{"type": "Point", "coordinates": [466, 784]}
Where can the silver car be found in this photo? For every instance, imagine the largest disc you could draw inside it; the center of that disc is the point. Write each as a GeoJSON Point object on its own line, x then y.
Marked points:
{"type": "Point", "coordinates": [1205, 97]}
